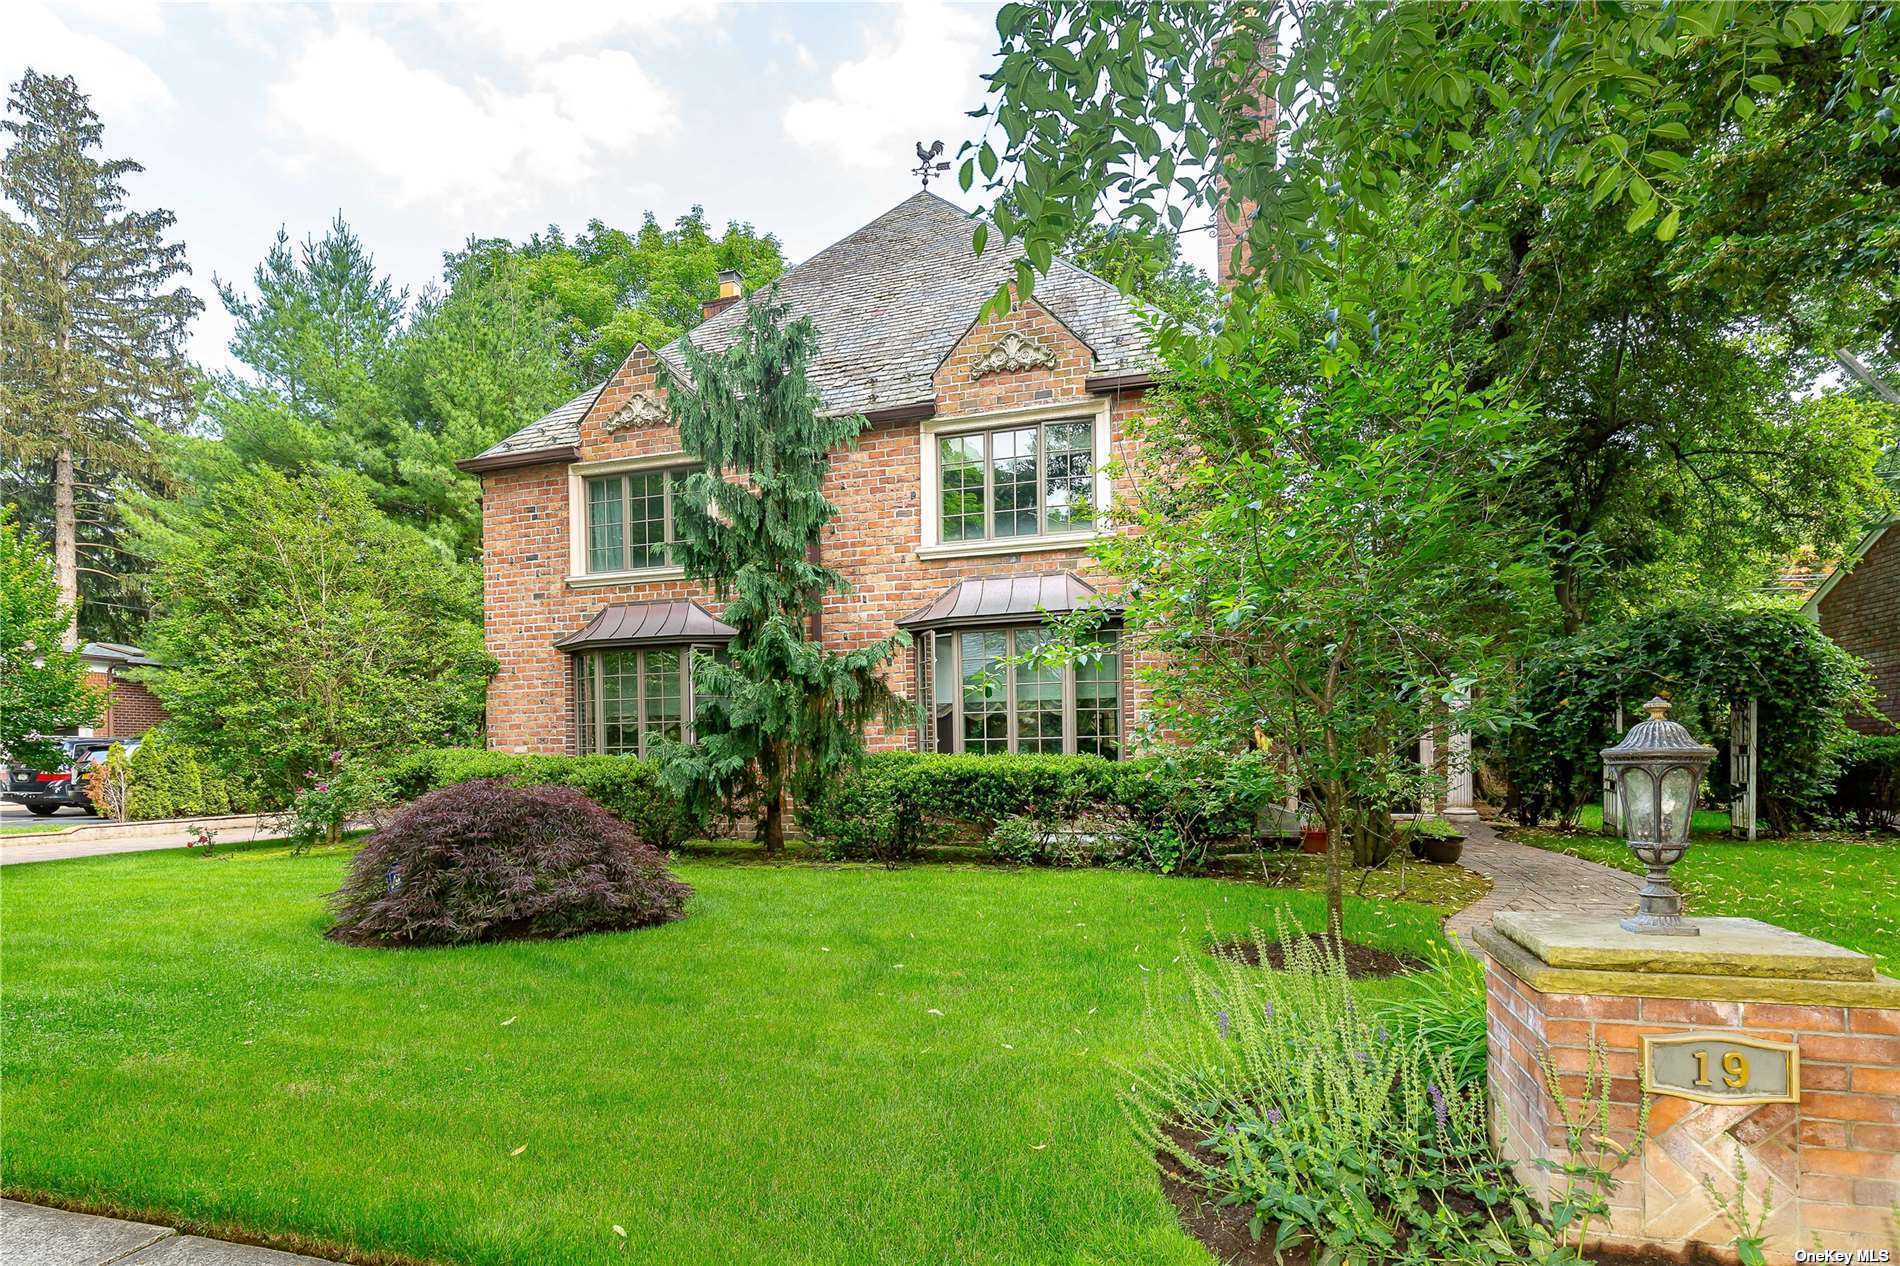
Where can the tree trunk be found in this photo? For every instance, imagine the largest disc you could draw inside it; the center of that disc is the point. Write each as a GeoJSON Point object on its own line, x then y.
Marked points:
{"type": "Point", "coordinates": [772, 831]}
{"type": "Point", "coordinates": [66, 543]}
{"type": "Point", "coordinates": [1336, 846]}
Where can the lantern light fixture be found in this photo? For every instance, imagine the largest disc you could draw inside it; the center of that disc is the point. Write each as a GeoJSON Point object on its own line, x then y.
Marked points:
{"type": "Point", "coordinates": [1658, 769]}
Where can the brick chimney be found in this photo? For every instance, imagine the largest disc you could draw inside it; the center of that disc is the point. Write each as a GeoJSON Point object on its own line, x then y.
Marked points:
{"type": "Point", "coordinates": [730, 291]}
{"type": "Point", "coordinates": [1232, 217]}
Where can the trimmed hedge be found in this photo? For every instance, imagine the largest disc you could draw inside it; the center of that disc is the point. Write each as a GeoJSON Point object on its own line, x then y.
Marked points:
{"type": "Point", "coordinates": [1868, 789]}
{"type": "Point", "coordinates": [627, 786]}
{"type": "Point", "coordinates": [168, 778]}
{"type": "Point", "coordinates": [897, 803]}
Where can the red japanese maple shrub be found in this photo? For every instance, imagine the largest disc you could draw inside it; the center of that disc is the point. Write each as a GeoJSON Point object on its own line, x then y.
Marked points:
{"type": "Point", "coordinates": [487, 860]}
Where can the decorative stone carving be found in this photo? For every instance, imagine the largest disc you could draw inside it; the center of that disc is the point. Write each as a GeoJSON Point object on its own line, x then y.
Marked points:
{"type": "Point", "coordinates": [643, 408]}
{"type": "Point", "coordinates": [1013, 352]}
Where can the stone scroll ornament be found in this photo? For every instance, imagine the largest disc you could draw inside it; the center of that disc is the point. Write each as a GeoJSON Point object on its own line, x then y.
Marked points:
{"type": "Point", "coordinates": [1014, 351]}
{"type": "Point", "coordinates": [641, 409]}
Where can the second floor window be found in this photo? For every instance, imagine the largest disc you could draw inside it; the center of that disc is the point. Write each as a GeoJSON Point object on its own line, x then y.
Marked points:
{"type": "Point", "coordinates": [631, 523]}
{"type": "Point", "coordinates": [1032, 480]}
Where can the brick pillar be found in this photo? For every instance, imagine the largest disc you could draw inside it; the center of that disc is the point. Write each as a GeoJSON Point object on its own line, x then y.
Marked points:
{"type": "Point", "coordinates": [1232, 216]}
{"type": "Point", "coordinates": [1828, 1163]}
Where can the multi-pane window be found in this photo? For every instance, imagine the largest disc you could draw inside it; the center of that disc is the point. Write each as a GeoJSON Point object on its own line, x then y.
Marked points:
{"type": "Point", "coordinates": [1016, 481]}
{"type": "Point", "coordinates": [624, 698]}
{"type": "Point", "coordinates": [988, 695]}
{"type": "Point", "coordinates": [631, 519]}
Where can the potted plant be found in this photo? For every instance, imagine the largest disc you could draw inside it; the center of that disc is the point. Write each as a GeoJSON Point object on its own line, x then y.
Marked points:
{"type": "Point", "coordinates": [1312, 834]}
{"type": "Point", "coordinates": [1434, 840]}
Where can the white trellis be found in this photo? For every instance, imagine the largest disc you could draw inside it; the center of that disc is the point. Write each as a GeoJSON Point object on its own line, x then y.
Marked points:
{"type": "Point", "coordinates": [1744, 765]}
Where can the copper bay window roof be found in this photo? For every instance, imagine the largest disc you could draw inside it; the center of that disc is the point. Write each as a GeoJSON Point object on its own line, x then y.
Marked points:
{"type": "Point", "coordinates": [648, 623]}
{"type": "Point", "coordinates": [1009, 600]}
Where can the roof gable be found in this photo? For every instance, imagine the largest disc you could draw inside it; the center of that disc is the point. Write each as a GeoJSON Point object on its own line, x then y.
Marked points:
{"type": "Point", "coordinates": [890, 302]}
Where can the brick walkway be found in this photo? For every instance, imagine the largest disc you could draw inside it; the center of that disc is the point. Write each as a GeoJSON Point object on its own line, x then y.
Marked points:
{"type": "Point", "coordinates": [1526, 878]}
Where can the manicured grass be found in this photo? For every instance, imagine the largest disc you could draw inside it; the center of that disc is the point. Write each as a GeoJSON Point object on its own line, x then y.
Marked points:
{"type": "Point", "coordinates": [1705, 822]}
{"type": "Point", "coordinates": [819, 1065]}
{"type": "Point", "coordinates": [33, 828]}
{"type": "Point", "coordinates": [1839, 890]}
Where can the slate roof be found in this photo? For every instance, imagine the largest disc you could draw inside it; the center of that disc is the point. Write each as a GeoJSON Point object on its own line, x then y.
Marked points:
{"type": "Point", "coordinates": [643, 623]}
{"type": "Point", "coordinates": [890, 302]}
{"type": "Point", "coordinates": [1007, 599]}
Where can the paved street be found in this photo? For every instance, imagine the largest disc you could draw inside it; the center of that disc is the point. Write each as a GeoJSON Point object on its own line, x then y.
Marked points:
{"type": "Point", "coordinates": [92, 837]}
{"type": "Point", "coordinates": [31, 1235]}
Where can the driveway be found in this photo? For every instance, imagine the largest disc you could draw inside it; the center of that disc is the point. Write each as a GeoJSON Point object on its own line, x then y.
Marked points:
{"type": "Point", "coordinates": [90, 836]}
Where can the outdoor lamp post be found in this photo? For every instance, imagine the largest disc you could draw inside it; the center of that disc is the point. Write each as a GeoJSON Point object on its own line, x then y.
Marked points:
{"type": "Point", "coordinates": [1658, 767]}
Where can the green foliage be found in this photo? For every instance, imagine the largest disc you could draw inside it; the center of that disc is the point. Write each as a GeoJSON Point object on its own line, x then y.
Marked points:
{"type": "Point", "coordinates": [1703, 658]}
{"type": "Point", "coordinates": [1147, 265]}
{"type": "Point", "coordinates": [1163, 812]}
{"type": "Point", "coordinates": [93, 318]}
{"type": "Point", "coordinates": [1868, 787]}
{"type": "Point", "coordinates": [297, 621]}
{"type": "Point", "coordinates": [1289, 1098]}
{"type": "Point", "coordinates": [168, 778]}
{"type": "Point", "coordinates": [1327, 552]}
{"type": "Point", "coordinates": [330, 797]}
{"type": "Point", "coordinates": [611, 289]}
{"type": "Point", "coordinates": [43, 689]}
{"type": "Point", "coordinates": [784, 715]}
{"type": "Point", "coordinates": [628, 787]}
{"type": "Point", "coordinates": [1679, 119]}
{"type": "Point", "coordinates": [1449, 1018]}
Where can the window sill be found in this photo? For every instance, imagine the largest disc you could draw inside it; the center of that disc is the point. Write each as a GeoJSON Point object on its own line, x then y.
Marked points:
{"type": "Point", "coordinates": [598, 580]}
{"type": "Point", "coordinates": [1012, 545]}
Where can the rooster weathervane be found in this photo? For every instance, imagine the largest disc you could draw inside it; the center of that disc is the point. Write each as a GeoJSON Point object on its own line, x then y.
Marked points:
{"type": "Point", "coordinates": [925, 167]}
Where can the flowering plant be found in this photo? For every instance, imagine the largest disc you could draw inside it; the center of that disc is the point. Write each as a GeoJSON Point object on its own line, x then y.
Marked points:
{"type": "Point", "coordinates": [329, 798]}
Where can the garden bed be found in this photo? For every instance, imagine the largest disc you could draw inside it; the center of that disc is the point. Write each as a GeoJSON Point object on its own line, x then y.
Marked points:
{"type": "Point", "coordinates": [1361, 961]}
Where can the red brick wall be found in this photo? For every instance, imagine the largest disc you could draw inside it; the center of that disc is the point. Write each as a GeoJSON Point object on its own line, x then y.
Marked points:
{"type": "Point", "coordinates": [1862, 614]}
{"type": "Point", "coordinates": [1831, 1161]}
{"type": "Point", "coordinates": [874, 539]}
{"type": "Point", "coordinates": [133, 710]}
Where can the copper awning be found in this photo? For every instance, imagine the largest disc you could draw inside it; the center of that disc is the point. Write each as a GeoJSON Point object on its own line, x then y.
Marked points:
{"type": "Point", "coordinates": [1009, 600]}
{"type": "Point", "coordinates": [648, 623]}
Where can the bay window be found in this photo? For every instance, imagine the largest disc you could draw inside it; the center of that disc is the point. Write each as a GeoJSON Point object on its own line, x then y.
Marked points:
{"type": "Point", "coordinates": [985, 694]}
{"type": "Point", "coordinates": [625, 698]}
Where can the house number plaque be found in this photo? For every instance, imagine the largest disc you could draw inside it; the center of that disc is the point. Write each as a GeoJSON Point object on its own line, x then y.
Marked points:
{"type": "Point", "coordinates": [1721, 1068]}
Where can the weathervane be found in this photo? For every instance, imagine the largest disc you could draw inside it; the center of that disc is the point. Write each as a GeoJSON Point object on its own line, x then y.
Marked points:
{"type": "Point", "coordinates": [925, 168]}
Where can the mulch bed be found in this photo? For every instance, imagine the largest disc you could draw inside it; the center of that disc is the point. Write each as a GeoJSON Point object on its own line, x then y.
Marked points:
{"type": "Point", "coordinates": [1222, 1229]}
{"type": "Point", "coordinates": [1362, 961]}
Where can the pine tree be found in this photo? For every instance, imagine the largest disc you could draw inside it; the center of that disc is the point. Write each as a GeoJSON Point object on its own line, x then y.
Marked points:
{"type": "Point", "coordinates": [92, 326]}
{"type": "Point", "coordinates": [783, 717]}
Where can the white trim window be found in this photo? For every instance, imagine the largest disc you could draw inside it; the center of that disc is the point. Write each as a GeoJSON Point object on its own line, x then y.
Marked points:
{"type": "Point", "coordinates": [624, 697]}
{"type": "Point", "coordinates": [982, 699]}
{"type": "Point", "coordinates": [624, 518]}
{"type": "Point", "coordinates": [1005, 483]}
{"type": "Point", "coordinates": [631, 520]}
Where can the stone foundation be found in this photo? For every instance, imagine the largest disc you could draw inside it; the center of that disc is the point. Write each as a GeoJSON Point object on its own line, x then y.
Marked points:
{"type": "Point", "coordinates": [1828, 1164]}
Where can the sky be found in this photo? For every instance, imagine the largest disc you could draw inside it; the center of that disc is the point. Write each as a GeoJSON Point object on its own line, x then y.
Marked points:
{"type": "Point", "coordinates": [427, 123]}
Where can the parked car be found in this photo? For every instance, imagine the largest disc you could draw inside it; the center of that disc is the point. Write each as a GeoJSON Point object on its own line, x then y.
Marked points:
{"type": "Point", "coordinates": [46, 791]}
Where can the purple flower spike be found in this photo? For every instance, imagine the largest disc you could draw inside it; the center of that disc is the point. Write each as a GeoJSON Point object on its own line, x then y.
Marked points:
{"type": "Point", "coordinates": [1438, 1104]}
{"type": "Point", "coordinates": [1269, 1010]}
{"type": "Point", "coordinates": [1273, 1116]}
{"type": "Point", "coordinates": [1220, 1018]}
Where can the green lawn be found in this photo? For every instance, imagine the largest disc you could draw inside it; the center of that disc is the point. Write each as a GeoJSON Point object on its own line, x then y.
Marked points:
{"type": "Point", "coordinates": [818, 1065]}
{"type": "Point", "coordinates": [1842, 890]}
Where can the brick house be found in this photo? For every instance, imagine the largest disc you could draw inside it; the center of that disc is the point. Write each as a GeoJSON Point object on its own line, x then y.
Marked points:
{"type": "Point", "coordinates": [965, 509]}
{"type": "Point", "coordinates": [1858, 606]}
{"type": "Point", "coordinates": [131, 709]}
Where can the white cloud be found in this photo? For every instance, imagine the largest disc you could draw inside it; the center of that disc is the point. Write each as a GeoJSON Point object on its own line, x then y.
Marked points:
{"type": "Point", "coordinates": [916, 81]}
{"type": "Point", "coordinates": [118, 82]}
{"type": "Point", "coordinates": [351, 99]}
{"type": "Point", "coordinates": [529, 31]}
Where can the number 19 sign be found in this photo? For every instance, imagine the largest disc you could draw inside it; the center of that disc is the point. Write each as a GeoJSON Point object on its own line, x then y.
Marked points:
{"type": "Point", "coordinates": [1721, 1068]}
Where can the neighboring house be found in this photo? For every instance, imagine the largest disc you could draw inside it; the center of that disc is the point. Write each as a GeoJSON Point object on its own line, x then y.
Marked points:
{"type": "Point", "coordinates": [131, 709]}
{"type": "Point", "coordinates": [1858, 606]}
{"type": "Point", "coordinates": [965, 509]}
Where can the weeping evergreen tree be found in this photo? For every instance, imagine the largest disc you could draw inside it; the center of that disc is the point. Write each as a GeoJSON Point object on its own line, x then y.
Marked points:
{"type": "Point", "coordinates": [781, 717]}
